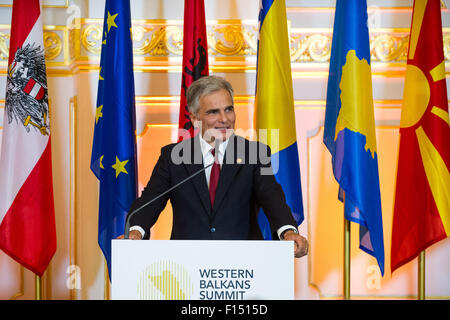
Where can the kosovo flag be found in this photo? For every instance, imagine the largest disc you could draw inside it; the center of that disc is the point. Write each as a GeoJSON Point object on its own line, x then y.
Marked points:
{"type": "Point", "coordinates": [113, 158]}
{"type": "Point", "coordinates": [274, 104]}
{"type": "Point", "coordinates": [350, 127]}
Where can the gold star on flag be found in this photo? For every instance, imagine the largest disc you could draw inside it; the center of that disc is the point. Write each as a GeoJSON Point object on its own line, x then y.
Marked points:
{"type": "Point", "coordinates": [119, 166]}
{"type": "Point", "coordinates": [101, 162]}
{"type": "Point", "coordinates": [100, 74]}
{"type": "Point", "coordinates": [98, 113]}
{"type": "Point", "coordinates": [110, 21]}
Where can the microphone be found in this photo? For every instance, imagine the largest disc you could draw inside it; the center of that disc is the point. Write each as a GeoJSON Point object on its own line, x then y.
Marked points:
{"type": "Point", "coordinates": [127, 222]}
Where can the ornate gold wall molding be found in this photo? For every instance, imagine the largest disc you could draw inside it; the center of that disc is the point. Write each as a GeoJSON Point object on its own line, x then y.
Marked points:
{"type": "Point", "coordinates": [69, 50]}
{"type": "Point", "coordinates": [231, 39]}
{"type": "Point", "coordinates": [386, 45]}
{"type": "Point", "coordinates": [52, 4]}
{"type": "Point", "coordinates": [56, 42]}
{"type": "Point", "coordinates": [52, 44]}
{"type": "Point", "coordinates": [4, 45]}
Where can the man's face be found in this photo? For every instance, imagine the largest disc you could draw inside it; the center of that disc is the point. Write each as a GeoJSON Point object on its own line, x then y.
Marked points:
{"type": "Point", "coordinates": [216, 114]}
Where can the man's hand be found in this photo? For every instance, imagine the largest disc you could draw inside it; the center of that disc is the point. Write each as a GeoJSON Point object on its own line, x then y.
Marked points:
{"type": "Point", "coordinates": [300, 243]}
{"type": "Point", "coordinates": [133, 235]}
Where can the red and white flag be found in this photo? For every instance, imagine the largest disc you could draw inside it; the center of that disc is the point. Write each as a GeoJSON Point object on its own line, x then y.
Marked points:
{"type": "Point", "coordinates": [27, 215]}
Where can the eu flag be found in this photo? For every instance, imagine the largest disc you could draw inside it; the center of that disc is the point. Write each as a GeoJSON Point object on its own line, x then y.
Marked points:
{"type": "Point", "coordinates": [350, 127]}
{"type": "Point", "coordinates": [113, 158]}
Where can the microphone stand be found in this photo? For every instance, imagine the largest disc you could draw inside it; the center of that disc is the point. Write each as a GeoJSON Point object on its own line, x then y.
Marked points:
{"type": "Point", "coordinates": [127, 222]}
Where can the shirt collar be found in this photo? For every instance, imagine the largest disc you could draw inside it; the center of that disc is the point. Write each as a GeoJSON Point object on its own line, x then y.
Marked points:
{"type": "Point", "coordinates": [206, 147]}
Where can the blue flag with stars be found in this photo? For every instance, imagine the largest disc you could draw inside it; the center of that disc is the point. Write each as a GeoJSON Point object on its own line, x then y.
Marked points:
{"type": "Point", "coordinates": [113, 158]}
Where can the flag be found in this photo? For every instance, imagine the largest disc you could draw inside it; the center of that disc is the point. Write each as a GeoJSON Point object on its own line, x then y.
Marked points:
{"type": "Point", "coordinates": [27, 215]}
{"type": "Point", "coordinates": [349, 132]}
{"type": "Point", "coordinates": [195, 58]}
{"type": "Point", "coordinates": [274, 106]}
{"type": "Point", "coordinates": [113, 158]}
{"type": "Point", "coordinates": [422, 196]}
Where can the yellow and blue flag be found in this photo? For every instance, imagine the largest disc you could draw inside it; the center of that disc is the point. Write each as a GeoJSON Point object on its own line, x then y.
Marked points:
{"type": "Point", "coordinates": [113, 158]}
{"type": "Point", "coordinates": [350, 126]}
{"type": "Point", "coordinates": [274, 104]}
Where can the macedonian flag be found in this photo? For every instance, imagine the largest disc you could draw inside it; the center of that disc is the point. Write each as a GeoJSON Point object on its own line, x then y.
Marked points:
{"type": "Point", "coordinates": [422, 198]}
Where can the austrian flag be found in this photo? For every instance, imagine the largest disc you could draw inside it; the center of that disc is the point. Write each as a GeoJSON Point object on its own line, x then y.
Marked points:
{"type": "Point", "coordinates": [27, 215]}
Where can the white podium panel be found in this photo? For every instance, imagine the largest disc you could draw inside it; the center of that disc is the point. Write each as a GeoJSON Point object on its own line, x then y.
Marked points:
{"type": "Point", "coordinates": [202, 270]}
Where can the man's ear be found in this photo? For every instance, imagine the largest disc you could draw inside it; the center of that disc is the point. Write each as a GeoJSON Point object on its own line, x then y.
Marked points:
{"type": "Point", "coordinates": [193, 119]}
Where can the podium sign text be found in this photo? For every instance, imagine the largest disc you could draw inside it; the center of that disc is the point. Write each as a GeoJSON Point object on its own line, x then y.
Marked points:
{"type": "Point", "coordinates": [202, 270]}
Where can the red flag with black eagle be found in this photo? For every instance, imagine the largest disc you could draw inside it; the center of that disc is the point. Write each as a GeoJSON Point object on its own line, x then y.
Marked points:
{"type": "Point", "coordinates": [195, 58]}
{"type": "Point", "coordinates": [27, 215]}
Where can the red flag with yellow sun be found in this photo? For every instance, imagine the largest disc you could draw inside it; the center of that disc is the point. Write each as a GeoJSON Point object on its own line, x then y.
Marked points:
{"type": "Point", "coordinates": [422, 198]}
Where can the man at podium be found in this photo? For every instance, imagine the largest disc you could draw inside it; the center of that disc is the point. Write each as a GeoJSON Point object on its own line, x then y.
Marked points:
{"type": "Point", "coordinates": [218, 180]}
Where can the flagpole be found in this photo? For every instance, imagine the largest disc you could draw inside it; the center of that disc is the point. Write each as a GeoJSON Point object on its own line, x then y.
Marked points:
{"type": "Point", "coordinates": [346, 256]}
{"type": "Point", "coordinates": [38, 287]}
{"type": "Point", "coordinates": [346, 259]}
{"type": "Point", "coordinates": [106, 283]}
{"type": "Point", "coordinates": [421, 276]}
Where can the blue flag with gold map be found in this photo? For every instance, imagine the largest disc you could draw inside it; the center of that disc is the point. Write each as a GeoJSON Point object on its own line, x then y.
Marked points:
{"type": "Point", "coordinates": [113, 158]}
{"type": "Point", "coordinates": [350, 126]}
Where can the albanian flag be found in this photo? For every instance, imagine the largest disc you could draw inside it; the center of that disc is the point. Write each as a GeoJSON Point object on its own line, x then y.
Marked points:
{"type": "Point", "coordinates": [422, 198]}
{"type": "Point", "coordinates": [195, 58]}
{"type": "Point", "coordinates": [27, 215]}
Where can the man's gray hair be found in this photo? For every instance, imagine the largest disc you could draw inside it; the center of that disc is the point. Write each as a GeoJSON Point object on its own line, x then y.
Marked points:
{"type": "Point", "coordinates": [203, 87]}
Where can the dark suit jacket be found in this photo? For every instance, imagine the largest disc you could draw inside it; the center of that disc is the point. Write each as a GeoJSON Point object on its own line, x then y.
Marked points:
{"type": "Point", "coordinates": [242, 189]}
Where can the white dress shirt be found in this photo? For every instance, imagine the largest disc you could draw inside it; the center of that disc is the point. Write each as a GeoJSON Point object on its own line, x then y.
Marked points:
{"type": "Point", "coordinates": [208, 158]}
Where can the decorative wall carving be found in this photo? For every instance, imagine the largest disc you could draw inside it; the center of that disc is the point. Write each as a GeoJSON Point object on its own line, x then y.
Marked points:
{"type": "Point", "coordinates": [52, 44]}
{"type": "Point", "coordinates": [227, 40]}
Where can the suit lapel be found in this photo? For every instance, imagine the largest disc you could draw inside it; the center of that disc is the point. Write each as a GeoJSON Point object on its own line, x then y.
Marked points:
{"type": "Point", "coordinates": [199, 181]}
{"type": "Point", "coordinates": [232, 162]}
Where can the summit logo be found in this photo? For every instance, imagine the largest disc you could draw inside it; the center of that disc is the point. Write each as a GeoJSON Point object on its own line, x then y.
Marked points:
{"type": "Point", "coordinates": [165, 280]}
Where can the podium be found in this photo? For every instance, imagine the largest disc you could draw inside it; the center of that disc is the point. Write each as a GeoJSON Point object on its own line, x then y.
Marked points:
{"type": "Point", "coordinates": [202, 270]}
